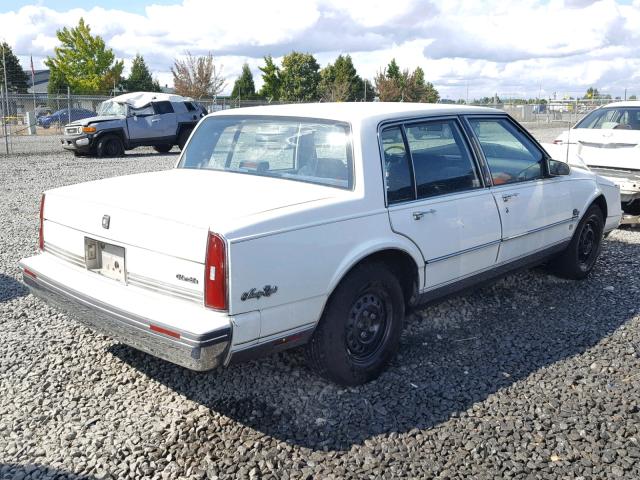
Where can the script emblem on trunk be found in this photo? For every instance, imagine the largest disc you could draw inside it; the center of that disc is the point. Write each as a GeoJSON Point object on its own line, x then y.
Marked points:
{"type": "Point", "coordinates": [106, 220]}
{"type": "Point", "coordinates": [267, 291]}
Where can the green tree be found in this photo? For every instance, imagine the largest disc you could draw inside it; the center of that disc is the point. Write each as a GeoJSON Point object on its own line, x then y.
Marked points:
{"type": "Point", "coordinates": [591, 93]}
{"type": "Point", "coordinates": [394, 85]}
{"type": "Point", "coordinates": [83, 62]}
{"type": "Point", "coordinates": [270, 80]}
{"type": "Point", "coordinates": [16, 78]}
{"type": "Point", "coordinates": [299, 77]}
{"type": "Point", "coordinates": [140, 79]}
{"type": "Point", "coordinates": [244, 88]}
{"type": "Point", "coordinates": [633, 97]}
{"type": "Point", "coordinates": [393, 70]}
{"type": "Point", "coordinates": [339, 82]}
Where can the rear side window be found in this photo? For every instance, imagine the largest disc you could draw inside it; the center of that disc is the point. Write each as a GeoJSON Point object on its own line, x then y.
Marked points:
{"type": "Point", "coordinates": [441, 161]}
{"type": "Point", "coordinates": [190, 106]}
{"type": "Point", "coordinates": [162, 107]}
{"type": "Point", "coordinates": [397, 171]}
{"type": "Point", "coordinates": [511, 156]}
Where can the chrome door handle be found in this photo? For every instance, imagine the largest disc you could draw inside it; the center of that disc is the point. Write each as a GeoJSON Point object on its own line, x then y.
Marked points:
{"type": "Point", "coordinates": [419, 215]}
{"type": "Point", "coordinates": [507, 196]}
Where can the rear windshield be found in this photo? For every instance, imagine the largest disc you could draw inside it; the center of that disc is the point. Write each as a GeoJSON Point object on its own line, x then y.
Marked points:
{"type": "Point", "coordinates": [622, 118]}
{"type": "Point", "coordinates": [301, 149]}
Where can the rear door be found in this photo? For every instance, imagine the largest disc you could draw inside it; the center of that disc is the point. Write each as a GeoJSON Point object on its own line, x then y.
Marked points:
{"type": "Point", "coordinates": [436, 198]}
{"type": "Point", "coordinates": [536, 210]}
{"type": "Point", "coordinates": [166, 124]}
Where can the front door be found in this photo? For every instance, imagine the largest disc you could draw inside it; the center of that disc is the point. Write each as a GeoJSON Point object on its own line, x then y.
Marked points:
{"type": "Point", "coordinates": [437, 199]}
{"type": "Point", "coordinates": [535, 209]}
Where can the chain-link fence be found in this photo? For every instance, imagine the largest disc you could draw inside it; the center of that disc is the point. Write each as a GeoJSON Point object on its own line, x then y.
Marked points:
{"type": "Point", "coordinates": [33, 123]}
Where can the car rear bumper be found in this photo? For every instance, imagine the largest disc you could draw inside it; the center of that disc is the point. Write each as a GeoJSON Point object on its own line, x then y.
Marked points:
{"type": "Point", "coordinates": [202, 351]}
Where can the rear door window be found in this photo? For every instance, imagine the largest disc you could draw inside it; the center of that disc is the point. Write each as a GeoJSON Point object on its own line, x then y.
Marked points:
{"type": "Point", "coordinates": [162, 107]}
{"type": "Point", "coordinates": [190, 106]}
{"type": "Point", "coordinates": [397, 169]}
{"type": "Point", "coordinates": [442, 162]}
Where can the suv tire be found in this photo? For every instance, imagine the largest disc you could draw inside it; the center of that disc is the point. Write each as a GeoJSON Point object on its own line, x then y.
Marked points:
{"type": "Point", "coordinates": [359, 332]}
{"type": "Point", "coordinates": [162, 148]}
{"type": "Point", "coordinates": [183, 137]}
{"type": "Point", "coordinates": [110, 146]}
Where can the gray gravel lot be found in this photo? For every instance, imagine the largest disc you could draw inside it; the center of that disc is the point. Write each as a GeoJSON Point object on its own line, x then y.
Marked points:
{"type": "Point", "coordinates": [532, 377]}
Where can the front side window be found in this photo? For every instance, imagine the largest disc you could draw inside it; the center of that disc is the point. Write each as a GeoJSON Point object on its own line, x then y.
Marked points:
{"type": "Point", "coordinates": [302, 149]}
{"type": "Point", "coordinates": [112, 108]}
{"type": "Point", "coordinates": [511, 156]}
{"type": "Point", "coordinates": [142, 111]}
{"type": "Point", "coordinates": [441, 161]}
{"type": "Point", "coordinates": [623, 118]}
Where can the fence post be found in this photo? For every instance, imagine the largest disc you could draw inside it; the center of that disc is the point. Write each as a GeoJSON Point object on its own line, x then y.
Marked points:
{"type": "Point", "coordinates": [69, 103]}
{"type": "Point", "coordinates": [4, 119]}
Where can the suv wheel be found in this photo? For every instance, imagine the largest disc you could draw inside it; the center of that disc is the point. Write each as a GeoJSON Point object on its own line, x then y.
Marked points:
{"type": "Point", "coordinates": [359, 332]}
{"type": "Point", "coordinates": [183, 137]}
{"type": "Point", "coordinates": [110, 146]}
{"type": "Point", "coordinates": [162, 148]}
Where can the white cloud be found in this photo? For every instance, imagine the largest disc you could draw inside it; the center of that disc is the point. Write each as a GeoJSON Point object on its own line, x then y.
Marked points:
{"type": "Point", "coordinates": [509, 47]}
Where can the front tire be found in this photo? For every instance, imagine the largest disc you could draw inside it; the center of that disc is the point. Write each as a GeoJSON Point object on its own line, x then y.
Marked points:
{"type": "Point", "coordinates": [578, 259]}
{"type": "Point", "coordinates": [359, 332]}
{"type": "Point", "coordinates": [110, 146]}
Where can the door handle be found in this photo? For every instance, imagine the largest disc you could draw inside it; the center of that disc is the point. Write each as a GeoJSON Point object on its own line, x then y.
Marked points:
{"type": "Point", "coordinates": [508, 196]}
{"type": "Point", "coordinates": [155, 120]}
{"type": "Point", "coordinates": [419, 215]}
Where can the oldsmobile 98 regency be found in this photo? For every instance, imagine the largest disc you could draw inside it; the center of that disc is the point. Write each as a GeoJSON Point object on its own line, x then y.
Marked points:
{"type": "Point", "coordinates": [317, 225]}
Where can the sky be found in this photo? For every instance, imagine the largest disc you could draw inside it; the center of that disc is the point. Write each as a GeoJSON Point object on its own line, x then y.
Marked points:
{"type": "Point", "coordinates": [468, 49]}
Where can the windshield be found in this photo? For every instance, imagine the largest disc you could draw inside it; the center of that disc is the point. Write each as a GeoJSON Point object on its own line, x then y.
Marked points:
{"type": "Point", "coordinates": [302, 149]}
{"type": "Point", "coordinates": [623, 118]}
{"type": "Point", "coordinates": [112, 108]}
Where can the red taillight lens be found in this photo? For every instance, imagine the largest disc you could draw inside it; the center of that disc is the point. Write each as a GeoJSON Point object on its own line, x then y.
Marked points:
{"type": "Point", "coordinates": [41, 231]}
{"type": "Point", "coordinates": [215, 274]}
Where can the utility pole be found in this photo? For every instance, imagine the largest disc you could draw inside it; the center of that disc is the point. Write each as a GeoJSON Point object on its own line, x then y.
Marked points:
{"type": "Point", "coordinates": [4, 123]}
{"type": "Point", "coordinates": [6, 99]}
{"type": "Point", "coordinates": [625, 94]}
{"type": "Point", "coordinates": [364, 80]}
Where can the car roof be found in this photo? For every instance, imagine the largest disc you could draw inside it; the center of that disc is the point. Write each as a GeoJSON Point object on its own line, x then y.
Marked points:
{"type": "Point", "coordinates": [359, 111]}
{"type": "Point", "coordinates": [627, 103]}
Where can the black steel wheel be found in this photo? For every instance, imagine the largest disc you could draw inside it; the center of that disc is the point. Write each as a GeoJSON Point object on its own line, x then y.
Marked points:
{"type": "Point", "coordinates": [110, 146]}
{"type": "Point", "coordinates": [359, 332]}
{"type": "Point", "coordinates": [579, 258]}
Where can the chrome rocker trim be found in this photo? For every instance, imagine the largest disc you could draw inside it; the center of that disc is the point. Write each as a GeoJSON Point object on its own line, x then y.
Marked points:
{"type": "Point", "coordinates": [195, 352]}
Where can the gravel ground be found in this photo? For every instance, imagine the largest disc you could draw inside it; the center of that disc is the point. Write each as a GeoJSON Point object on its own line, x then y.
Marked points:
{"type": "Point", "coordinates": [532, 377]}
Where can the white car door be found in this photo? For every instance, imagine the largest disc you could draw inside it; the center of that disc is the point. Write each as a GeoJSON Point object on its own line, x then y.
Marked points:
{"type": "Point", "coordinates": [536, 210]}
{"type": "Point", "coordinates": [436, 198]}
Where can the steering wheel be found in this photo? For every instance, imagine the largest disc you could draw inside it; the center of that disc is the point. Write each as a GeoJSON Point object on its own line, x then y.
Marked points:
{"type": "Point", "coordinates": [394, 150]}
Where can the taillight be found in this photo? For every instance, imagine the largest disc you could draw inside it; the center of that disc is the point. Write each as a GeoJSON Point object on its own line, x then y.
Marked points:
{"type": "Point", "coordinates": [41, 231]}
{"type": "Point", "coordinates": [215, 276]}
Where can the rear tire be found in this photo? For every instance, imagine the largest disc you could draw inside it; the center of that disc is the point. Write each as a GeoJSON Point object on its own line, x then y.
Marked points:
{"type": "Point", "coordinates": [183, 137]}
{"type": "Point", "coordinates": [359, 332]}
{"type": "Point", "coordinates": [162, 148]}
{"type": "Point", "coordinates": [578, 259]}
{"type": "Point", "coordinates": [110, 146]}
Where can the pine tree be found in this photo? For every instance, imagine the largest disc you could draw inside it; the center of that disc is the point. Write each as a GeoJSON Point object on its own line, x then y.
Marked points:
{"type": "Point", "coordinates": [140, 79]}
{"type": "Point", "coordinates": [244, 88]}
{"type": "Point", "coordinates": [300, 77]}
{"type": "Point", "coordinates": [16, 78]}
{"type": "Point", "coordinates": [271, 80]}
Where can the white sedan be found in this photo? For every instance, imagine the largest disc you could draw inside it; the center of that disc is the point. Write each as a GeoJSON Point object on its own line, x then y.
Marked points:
{"type": "Point", "coordinates": [607, 140]}
{"type": "Point", "coordinates": [313, 224]}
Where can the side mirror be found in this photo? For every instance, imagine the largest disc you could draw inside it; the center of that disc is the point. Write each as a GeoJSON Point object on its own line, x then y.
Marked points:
{"type": "Point", "coordinates": [558, 168]}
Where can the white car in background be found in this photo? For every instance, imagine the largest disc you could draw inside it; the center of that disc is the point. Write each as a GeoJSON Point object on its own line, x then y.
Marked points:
{"type": "Point", "coordinates": [607, 141]}
{"type": "Point", "coordinates": [314, 224]}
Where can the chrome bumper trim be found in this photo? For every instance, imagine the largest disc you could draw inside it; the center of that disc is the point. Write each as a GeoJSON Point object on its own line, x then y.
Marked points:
{"type": "Point", "coordinates": [192, 351]}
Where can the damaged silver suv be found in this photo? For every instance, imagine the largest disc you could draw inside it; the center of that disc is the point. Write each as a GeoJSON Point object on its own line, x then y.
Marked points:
{"type": "Point", "coordinates": [157, 120]}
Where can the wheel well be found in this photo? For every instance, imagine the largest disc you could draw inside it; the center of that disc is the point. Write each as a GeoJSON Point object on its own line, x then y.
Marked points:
{"type": "Point", "coordinates": [401, 264]}
{"type": "Point", "coordinates": [117, 133]}
{"type": "Point", "coordinates": [602, 203]}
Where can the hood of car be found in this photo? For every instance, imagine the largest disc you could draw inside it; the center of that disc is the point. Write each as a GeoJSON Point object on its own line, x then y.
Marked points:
{"type": "Point", "coordinates": [97, 119]}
